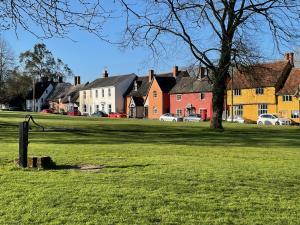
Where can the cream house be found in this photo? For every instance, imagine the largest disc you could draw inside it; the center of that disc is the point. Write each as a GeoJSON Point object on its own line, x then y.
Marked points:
{"type": "Point", "coordinates": [105, 94]}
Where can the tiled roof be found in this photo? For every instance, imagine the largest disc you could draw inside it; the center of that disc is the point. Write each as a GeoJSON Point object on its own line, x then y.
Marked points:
{"type": "Point", "coordinates": [59, 91]}
{"type": "Point", "coordinates": [40, 88]}
{"type": "Point", "coordinates": [261, 75]}
{"type": "Point", "coordinates": [143, 87]}
{"type": "Point", "coordinates": [191, 85]}
{"type": "Point", "coordinates": [73, 92]}
{"type": "Point", "coordinates": [166, 81]}
{"type": "Point", "coordinates": [138, 101]}
{"type": "Point", "coordinates": [292, 83]}
{"type": "Point", "coordinates": [108, 81]}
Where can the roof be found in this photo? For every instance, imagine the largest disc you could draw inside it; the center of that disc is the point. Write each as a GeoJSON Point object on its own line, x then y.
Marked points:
{"type": "Point", "coordinates": [292, 83]}
{"type": "Point", "coordinates": [108, 81]}
{"type": "Point", "coordinates": [40, 88]}
{"type": "Point", "coordinates": [261, 75]}
{"type": "Point", "coordinates": [192, 85]}
{"type": "Point", "coordinates": [166, 81]}
{"type": "Point", "coordinates": [59, 91]}
{"type": "Point", "coordinates": [73, 92]}
{"type": "Point", "coordinates": [138, 101]}
{"type": "Point", "coordinates": [143, 86]}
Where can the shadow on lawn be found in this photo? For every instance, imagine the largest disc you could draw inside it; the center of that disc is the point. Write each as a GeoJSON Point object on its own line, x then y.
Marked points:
{"type": "Point", "coordinates": [158, 133]}
{"type": "Point", "coordinates": [96, 167]}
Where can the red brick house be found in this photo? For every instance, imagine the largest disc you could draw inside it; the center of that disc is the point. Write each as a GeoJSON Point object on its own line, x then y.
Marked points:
{"type": "Point", "coordinates": [158, 98]}
{"type": "Point", "coordinates": [192, 95]}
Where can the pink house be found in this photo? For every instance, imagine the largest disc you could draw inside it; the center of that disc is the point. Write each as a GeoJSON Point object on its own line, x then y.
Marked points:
{"type": "Point", "coordinates": [192, 95]}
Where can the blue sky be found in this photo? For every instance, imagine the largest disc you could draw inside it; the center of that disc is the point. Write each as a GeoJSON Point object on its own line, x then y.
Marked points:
{"type": "Point", "coordinates": [88, 56]}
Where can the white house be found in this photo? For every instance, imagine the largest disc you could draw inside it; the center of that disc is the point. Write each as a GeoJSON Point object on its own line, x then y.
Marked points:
{"type": "Point", "coordinates": [105, 94]}
{"type": "Point", "coordinates": [42, 90]}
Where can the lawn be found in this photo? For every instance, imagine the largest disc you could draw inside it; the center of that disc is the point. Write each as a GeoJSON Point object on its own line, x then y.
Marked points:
{"type": "Point", "coordinates": [154, 173]}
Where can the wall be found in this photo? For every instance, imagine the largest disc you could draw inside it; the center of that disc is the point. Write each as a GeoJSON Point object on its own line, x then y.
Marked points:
{"type": "Point", "coordinates": [155, 101]}
{"type": "Point", "coordinates": [85, 101]}
{"type": "Point", "coordinates": [106, 100]}
{"type": "Point", "coordinates": [121, 88]}
{"type": "Point", "coordinates": [194, 99]}
{"type": "Point", "coordinates": [285, 108]}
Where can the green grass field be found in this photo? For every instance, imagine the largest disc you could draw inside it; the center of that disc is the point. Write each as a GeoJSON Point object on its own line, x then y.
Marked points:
{"type": "Point", "coordinates": [155, 173]}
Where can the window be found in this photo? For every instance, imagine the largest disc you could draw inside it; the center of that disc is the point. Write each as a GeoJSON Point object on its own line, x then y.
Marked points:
{"type": "Point", "coordinates": [294, 114]}
{"type": "Point", "coordinates": [262, 109]}
{"type": "Point", "coordinates": [102, 93]}
{"type": "Point", "coordinates": [259, 91]}
{"type": "Point", "coordinates": [96, 93]}
{"type": "Point", "coordinates": [237, 92]}
{"type": "Point", "coordinates": [178, 112]}
{"type": "Point", "coordinates": [238, 110]}
{"type": "Point", "coordinates": [178, 97]}
{"type": "Point", "coordinates": [84, 108]}
{"type": "Point", "coordinates": [154, 94]}
{"type": "Point", "coordinates": [97, 108]}
{"type": "Point", "coordinates": [287, 98]}
{"type": "Point", "coordinates": [202, 96]}
{"type": "Point", "coordinates": [102, 106]}
{"type": "Point", "coordinates": [109, 108]}
{"type": "Point", "coordinates": [109, 92]}
{"type": "Point", "coordinates": [84, 95]}
{"type": "Point", "coordinates": [154, 110]}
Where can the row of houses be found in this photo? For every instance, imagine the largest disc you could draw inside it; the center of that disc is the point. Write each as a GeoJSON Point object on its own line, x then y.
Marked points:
{"type": "Point", "coordinates": [265, 88]}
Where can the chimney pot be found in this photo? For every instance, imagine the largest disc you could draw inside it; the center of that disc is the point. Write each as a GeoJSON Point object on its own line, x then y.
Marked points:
{"type": "Point", "coordinates": [105, 74]}
{"type": "Point", "coordinates": [76, 80]}
{"type": "Point", "coordinates": [175, 71]}
{"type": "Point", "coordinates": [151, 75]}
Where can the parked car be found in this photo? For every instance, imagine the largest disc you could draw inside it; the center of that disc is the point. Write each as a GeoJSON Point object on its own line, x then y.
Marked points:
{"type": "Point", "coordinates": [74, 113]}
{"type": "Point", "coordinates": [170, 117]}
{"type": "Point", "coordinates": [272, 119]}
{"type": "Point", "coordinates": [47, 111]}
{"type": "Point", "coordinates": [192, 118]}
{"type": "Point", "coordinates": [236, 119]}
{"type": "Point", "coordinates": [117, 115]}
{"type": "Point", "coordinates": [99, 114]}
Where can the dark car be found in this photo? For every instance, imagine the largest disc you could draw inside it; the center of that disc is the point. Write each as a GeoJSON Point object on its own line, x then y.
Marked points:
{"type": "Point", "coordinates": [99, 114]}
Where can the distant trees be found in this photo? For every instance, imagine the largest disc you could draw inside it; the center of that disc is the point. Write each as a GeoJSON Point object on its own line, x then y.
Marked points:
{"type": "Point", "coordinates": [40, 62]}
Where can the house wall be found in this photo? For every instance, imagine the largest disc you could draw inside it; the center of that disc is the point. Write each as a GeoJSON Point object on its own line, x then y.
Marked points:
{"type": "Point", "coordinates": [121, 88]}
{"type": "Point", "coordinates": [285, 108]}
{"type": "Point", "coordinates": [250, 101]}
{"type": "Point", "coordinates": [105, 101]}
{"type": "Point", "coordinates": [156, 102]}
{"type": "Point", "coordinates": [40, 101]}
{"type": "Point", "coordinates": [85, 101]}
{"type": "Point", "coordinates": [193, 99]}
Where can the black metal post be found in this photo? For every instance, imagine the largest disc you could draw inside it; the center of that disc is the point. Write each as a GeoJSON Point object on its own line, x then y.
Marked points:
{"type": "Point", "coordinates": [23, 143]}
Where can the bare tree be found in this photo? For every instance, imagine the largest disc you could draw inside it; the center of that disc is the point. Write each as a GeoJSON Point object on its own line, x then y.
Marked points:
{"type": "Point", "coordinates": [218, 33]}
{"type": "Point", "coordinates": [6, 65]}
{"type": "Point", "coordinates": [52, 18]}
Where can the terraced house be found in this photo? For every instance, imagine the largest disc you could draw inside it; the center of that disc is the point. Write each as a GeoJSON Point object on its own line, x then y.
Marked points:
{"type": "Point", "coordinates": [192, 95]}
{"type": "Point", "coordinates": [253, 92]}
{"type": "Point", "coordinates": [105, 94]}
{"type": "Point", "coordinates": [288, 97]}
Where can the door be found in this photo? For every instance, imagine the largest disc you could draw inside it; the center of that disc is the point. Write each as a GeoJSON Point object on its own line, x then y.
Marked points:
{"type": "Point", "coordinates": [146, 112]}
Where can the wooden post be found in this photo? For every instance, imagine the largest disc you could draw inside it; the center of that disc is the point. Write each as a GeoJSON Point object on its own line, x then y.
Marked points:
{"type": "Point", "coordinates": [23, 144]}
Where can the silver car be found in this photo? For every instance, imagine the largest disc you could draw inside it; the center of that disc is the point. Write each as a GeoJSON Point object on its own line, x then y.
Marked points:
{"type": "Point", "coordinates": [192, 118]}
{"type": "Point", "coordinates": [170, 117]}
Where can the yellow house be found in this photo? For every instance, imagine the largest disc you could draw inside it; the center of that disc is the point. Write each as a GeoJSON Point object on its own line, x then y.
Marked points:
{"type": "Point", "coordinates": [253, 92]}
{"type": "Point", "coordinates": [288, 97]}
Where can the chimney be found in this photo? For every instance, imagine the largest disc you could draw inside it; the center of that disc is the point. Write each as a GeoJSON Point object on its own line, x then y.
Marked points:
{"type": "Point", "coordinates": [151, 75]}
{"type": "Point", "coordinates": [76, 80]}
{"type": "Point", "coordinates": [105, 74]}
{"type": "Point", "coordinates": [175, 71]}
{"type": "Point", "coordinates": [60, 79]}
{"type": "Point", "coordinates": [289, 57]}
{"type": "Point", "coordinates": [202, 73]}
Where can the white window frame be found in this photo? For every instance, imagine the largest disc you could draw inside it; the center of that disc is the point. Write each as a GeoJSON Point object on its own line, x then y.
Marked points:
{"type": "Point", "coordinates": [179, 112]}
{"type": "Point", "coordinates": [238, 110]}
{"type": "Point", "coordinates": [154, 110]}
{"type": "Point", "coordinates": [259, 91]}
{"type": "Point", "coordinates": [109, 108]}
{"type": "Point", "coordinates": [178, 97]}
{"type": "Point", "coordinates": [109, 92]}
{"type": "Point", "coordinates": [102, 91]}
{"type": "Point", "coordinates": [262, 109]}
{"type": "Point", "coordinates": [237, 92]}
{"type": "Point", "coordinates": [287, 98]}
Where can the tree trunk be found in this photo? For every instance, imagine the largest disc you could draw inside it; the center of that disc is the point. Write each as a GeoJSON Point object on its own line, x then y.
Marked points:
{"type": "Point", "coordinates": [219, 88]}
